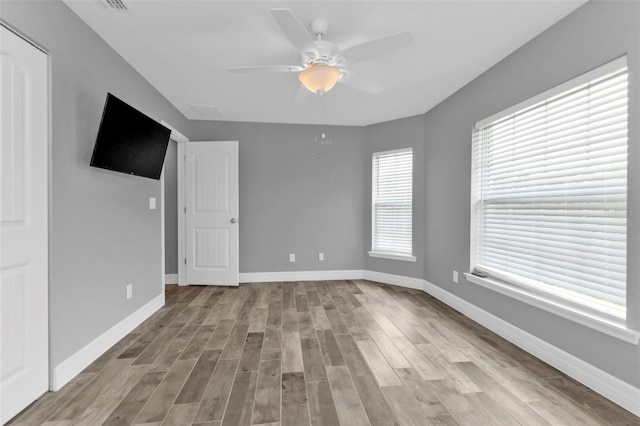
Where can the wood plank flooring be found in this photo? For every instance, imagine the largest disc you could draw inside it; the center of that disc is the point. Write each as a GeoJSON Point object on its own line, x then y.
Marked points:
{"type": "Point", "coordinates": [317, 353]}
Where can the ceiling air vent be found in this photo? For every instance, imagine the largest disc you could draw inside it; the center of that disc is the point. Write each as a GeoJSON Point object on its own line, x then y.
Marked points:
{"type": "Point", "coordinates": [115, 5]}
{"type": "Point", "coordinates": [205, 110]}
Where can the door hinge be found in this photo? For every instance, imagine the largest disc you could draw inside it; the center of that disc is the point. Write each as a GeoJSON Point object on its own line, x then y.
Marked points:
{"type": "Point", "coordinates": [185, 260]}
{"type": "Point", "coordinates": [185, 209]}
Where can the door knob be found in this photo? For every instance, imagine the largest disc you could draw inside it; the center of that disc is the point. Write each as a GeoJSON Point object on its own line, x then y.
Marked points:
{"type": "Point", "coordinates": [234, 220]}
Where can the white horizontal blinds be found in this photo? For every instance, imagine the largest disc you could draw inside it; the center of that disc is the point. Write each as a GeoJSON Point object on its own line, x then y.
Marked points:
{"type": "Point", "coordinates": [554, 193]}
{"type": "Point", "coordinates": [392, 201]}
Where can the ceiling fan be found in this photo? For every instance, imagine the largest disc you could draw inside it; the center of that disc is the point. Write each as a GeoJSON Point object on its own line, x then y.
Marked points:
{"type": "Point", "coordinates": [323, 64]}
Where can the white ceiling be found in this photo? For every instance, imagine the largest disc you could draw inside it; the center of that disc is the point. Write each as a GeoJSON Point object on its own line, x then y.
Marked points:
{"type": "Point", "coordinates": [183, 48]}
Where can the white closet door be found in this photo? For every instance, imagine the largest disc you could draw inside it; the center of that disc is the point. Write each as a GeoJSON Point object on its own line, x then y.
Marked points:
{"type": "Point", "coordinates": [24, 331]}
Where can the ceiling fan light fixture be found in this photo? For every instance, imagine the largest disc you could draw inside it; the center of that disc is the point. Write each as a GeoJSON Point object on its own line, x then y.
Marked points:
{"type": "Point", "coordinates": [319, 78]}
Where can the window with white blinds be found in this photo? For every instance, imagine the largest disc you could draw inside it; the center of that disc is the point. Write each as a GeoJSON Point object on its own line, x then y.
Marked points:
{"type": "Point", "coordinates": [392, 206]}
{"type": "Point", "coordinates": [551, 193]}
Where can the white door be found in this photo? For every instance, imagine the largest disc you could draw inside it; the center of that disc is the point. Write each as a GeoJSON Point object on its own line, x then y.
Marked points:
{"type": "Point", "coordinates": [23, 224]}
{"type": "Point", "coordinates": [211, 215]}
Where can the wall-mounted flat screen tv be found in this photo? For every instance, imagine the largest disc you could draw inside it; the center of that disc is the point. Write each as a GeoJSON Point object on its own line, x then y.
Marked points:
{"type": "Point", "coordinates": [129, 142]}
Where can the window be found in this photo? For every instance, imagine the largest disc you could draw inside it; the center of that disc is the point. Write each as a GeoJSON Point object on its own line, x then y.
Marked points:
{"type": "Point", "coordinates": [549, 203]}
{"type": "Point", "coordinates": [392, 207]}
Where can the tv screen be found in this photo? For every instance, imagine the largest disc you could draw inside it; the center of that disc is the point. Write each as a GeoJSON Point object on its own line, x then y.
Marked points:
{"type": "Point", "coordinates": [129, 142]}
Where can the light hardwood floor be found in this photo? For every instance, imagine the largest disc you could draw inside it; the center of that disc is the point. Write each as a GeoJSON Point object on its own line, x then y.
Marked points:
{"type": "Point", "coordinates": [319, 353]}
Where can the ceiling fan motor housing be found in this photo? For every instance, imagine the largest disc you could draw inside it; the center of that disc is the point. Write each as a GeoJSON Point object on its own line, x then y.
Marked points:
{"type": "Point", "coordinates": [326, 54]}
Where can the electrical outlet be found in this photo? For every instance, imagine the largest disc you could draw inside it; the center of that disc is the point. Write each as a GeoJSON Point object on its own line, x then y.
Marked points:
{"type": "Point", "coordinates": [129, 291]}
{"type": "Point", "coordinates": [455, 277]}
{"type": "Point", "coordinates": [292, 257]}
{"type": "Point", "coordinates": [321, 257]}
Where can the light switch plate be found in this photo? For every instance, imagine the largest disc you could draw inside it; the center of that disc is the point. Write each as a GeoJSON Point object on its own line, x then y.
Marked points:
{"type": "Point", "coordinates": [152, 203]}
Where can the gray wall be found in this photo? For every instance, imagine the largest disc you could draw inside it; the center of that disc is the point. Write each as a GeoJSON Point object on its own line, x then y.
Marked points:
{"type": "Point", "coordinates": [102, 235]}
{"type": "Point", "coordinates": [403, 133]}
{"type": "Point", "coordinates": [171, 209]}
{"type": "Point", "coordinates": [296, 195]}
{"type": "Point", "coordinates": [596, 33]}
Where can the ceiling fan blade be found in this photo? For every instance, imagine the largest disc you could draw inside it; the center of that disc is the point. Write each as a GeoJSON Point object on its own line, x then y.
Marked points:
{"type": "Point", "coordinates": [358, 82]}
{"type": "Point", "coordinates": [302, 95]}
{"type": "Point", "coordinates": [267, 68]}
{"type": "Point", "coordinates": [378, 47]}
{"type": "Point", "coordinates": [294, 30]}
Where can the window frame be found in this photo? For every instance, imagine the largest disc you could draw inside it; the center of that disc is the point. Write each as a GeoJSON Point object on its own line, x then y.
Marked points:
{"type": "Point", "coordinates": [579, 312]}
{"type": "Point", "coordinates": [379, 253]}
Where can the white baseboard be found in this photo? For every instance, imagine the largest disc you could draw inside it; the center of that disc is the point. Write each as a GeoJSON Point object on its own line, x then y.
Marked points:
{"type": "Point", "coordinates": [618, 391]}
{"type": "Point", "coordinates": [400, 280]}
{"type": "Point", "coordinates": [171, 279]}
{"type": "Point", "coordinates": [264, 277]}
{"type": "Point", "coordinates": [70, 367]}
{"type": "Point", "coordinates": [351, 274]}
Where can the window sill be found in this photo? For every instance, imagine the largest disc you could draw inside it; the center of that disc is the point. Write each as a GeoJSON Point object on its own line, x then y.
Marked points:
{"type": "Point", "coordinates": [619, 331]}
{"type": "Point", "coordinates": [402, 257]}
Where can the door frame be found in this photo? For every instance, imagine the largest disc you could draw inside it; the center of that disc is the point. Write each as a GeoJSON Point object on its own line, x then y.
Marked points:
{"type": "Point", "coordinates": [49, 183]}
{"type": "Point", "coordinates": [181, 140]}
